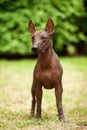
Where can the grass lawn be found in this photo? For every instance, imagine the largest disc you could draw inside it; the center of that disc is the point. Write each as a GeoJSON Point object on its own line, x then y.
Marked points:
{"type": "Point", "coordinates": [15, 96]}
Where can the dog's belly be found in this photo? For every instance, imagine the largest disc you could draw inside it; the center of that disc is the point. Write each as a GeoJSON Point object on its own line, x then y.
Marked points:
{"type": "Point", "coordinates": [47, 84]}
{"type": "Point", "coordinates": [48, 87]}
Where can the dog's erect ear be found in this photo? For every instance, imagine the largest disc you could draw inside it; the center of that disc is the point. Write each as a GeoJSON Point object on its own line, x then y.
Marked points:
{"type": "Point", "coordinates": [31, 27]}
{"type": "Point", "coordinates": [50, 26]}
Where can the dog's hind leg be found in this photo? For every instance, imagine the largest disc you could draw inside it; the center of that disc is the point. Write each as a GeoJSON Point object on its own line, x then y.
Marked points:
{"type": "Point", "coordinates": [58, 93]}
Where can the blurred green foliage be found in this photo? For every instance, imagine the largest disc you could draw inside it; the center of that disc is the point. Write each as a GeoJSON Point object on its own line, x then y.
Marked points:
{"type": "Point", "coordinates": [69, 16]}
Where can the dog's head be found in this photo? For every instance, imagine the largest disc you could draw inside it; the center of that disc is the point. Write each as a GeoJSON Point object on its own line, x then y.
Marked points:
{"type": "Point", "coordinates": [41, 38]}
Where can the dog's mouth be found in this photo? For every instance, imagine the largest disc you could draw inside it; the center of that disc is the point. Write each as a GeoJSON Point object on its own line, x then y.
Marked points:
{"type": "Point", "coordinates": [36, 50]}
{"type": "Point", "coordinates": [41, 50]}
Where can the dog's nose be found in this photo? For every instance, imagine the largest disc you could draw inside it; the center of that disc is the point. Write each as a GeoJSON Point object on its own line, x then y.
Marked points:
{"type": "Point", "coordinates": [34, 49]}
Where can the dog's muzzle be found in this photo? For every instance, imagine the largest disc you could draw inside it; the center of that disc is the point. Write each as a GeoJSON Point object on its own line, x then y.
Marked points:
{"type": "Point", "coordinates": [34, 49]}
{"type": "Point", "coordinates": [35, 46]}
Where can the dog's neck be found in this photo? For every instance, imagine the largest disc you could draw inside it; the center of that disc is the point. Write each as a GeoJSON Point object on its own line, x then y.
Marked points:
{"type": "Point", "coordinates": [45, 57]}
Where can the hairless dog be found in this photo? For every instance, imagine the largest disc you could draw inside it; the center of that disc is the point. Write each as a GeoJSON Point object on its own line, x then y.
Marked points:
{"type": "Point", "coordinates": [48, 71]}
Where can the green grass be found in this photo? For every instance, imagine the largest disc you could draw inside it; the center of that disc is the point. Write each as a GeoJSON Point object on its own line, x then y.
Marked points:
{"type": "Point", "coordinates": [15, 96]}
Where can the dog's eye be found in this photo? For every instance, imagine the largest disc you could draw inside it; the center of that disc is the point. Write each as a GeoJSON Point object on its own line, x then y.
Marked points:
{"type": "Point", "coordinates": [43, 38]}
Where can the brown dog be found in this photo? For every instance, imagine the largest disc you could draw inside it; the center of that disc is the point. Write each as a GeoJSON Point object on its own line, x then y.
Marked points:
{"type": "Point", "coordinates": [48, 71]}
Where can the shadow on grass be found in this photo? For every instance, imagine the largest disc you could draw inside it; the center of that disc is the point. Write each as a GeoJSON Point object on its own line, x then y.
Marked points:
{"type": "Point", "coordinates": [21, 119]}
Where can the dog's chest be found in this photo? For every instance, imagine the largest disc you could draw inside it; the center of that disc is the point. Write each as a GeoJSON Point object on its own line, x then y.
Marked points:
{"type": "Point", "coordinates": [47, 78]}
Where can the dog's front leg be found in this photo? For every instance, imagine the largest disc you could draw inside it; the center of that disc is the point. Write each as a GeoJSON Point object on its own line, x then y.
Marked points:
{"type": "Point", "coordinates": [33, 99]}
{"type": "Point", "coordinates": [58, 93]}
{"type": "Point", "coordinates": [39, 101]}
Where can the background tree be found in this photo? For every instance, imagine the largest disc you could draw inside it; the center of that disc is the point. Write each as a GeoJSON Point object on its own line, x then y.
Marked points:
{"type": "Point", "coordinates": [70, 20]}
